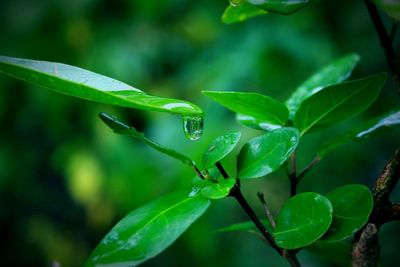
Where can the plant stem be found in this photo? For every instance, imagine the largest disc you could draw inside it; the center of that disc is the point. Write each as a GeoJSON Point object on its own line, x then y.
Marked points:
{"type": "Point", "coordinates": [266, 210]}
{"type": "Point", "coordinates": [294, 181]}
{"type": "Point", "coordinates": [290, 257]}
{"type": "Point", "coordinates": [308, 167]}
{"type": "Point", "coordinates": [237, 194]}
{"type": "Point", "coordinates": [386, 42]}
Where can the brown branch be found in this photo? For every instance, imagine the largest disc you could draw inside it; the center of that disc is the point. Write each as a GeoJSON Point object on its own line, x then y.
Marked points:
{"type": "Point", "coordinates": [366, 251]}
{"type": "Point", "coordinates": [270, 217]}
{"type": "Point", "coordinates": [387, 181]}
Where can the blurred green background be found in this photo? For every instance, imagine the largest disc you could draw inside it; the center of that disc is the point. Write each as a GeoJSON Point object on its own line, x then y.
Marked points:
{"type": "Point", "coordinates": [66, 179]}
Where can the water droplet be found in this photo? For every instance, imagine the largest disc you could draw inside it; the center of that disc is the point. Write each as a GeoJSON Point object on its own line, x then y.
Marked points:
{"type": "Point", "coordinates": [193, 127]}
{"type": "Point", "coordinates": [235, 2]}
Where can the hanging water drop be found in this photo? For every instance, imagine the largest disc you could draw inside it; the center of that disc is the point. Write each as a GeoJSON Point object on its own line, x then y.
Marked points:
{"type": "Point", "coordinates": [193, 127]}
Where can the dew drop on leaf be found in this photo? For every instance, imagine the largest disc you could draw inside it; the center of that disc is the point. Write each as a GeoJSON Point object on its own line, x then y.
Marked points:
{"type": "Point", "coordinates": [193, 127]}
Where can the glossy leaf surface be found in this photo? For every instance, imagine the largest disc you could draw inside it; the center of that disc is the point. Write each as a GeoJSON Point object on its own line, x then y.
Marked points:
{"type": "Point", "coordinates": [121, 128]}
{"type": "Point", "coordinates": [220, 148]}
{"type": "Point", "coordinates": [337, 103]}
{"type": "Point", "coordinates": [369, 129]}
{"type": "Point", "coordinates": [256, 105]}
{"type": "Point", "coordinates": [247, 226]}
{"type": "Point", "coordinates": [284, 7]}
{"type": "Point", "coordinates": [241, 12]}
{"type": "Point", "coordinates": [148, 230]}
{"type": "Point", "coordinates": [266, 153]}
{"type": "Point", "coordinates": [88, 85]}
{"type": "Point", "coordinates": [352, 205]}
{"type": "Point", "coordinates": [302, 220]}
{"type": "Point", "coordinates": [218, 190]}
{"type": "Point", "coordinates": [334, 73]}
{"type": "Point", "coordinates": [255, 123]}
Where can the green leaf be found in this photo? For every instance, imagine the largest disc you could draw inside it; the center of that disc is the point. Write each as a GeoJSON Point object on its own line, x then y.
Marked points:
{"type": "Point", "coordinates": [88, 85]}
{"type": "Point", "coordinates": [255, 123]}
{"type": "Point", "coordinates": [218, 190]}
{"type": "Point", "coordinates": [352, 205]}
{"type": "Point", "coordinates": [391, 7]}
{"type": "Point", "coordinates": [148, 230]}
{"type": "Point", "coordinates": [241, 12]}
{"type": "Point", "coordinates": [266, 153]}
{"type": "Point", "coordinates": [121, 128]}
{"type": "Point", "coordinates": [284, 7]}
{"type": "Point", "coordinates": [337, 103]}
{"type": "Point", "coordinates": [247, 226]}
{"type": "Point", "coordinates": [302, 220]}
{"type": "Point", "coordinates": [369, 129]}
{"type": "Point", "coordinates": [334, 73]}
{"type": "Point", "coordinates": [252, 104]}
{"type": "Point", "coordinates": [220, 148]}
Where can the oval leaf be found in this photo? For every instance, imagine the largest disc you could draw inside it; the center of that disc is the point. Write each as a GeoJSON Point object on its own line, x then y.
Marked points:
{"type": "Point", "coordinates": [241, 12]}
{"type": "Point", "coordinates": [266, 153]}
{"type": "Point", "coordinates": [88, 85]}
{"type": "Point", "coordinates": [252, 104]}
{"type": "Point", "coordinates": [352, 205]}
{"type": "Point", "coordinates": [336, 252]}
{"type": "Point", "coordinates": [220, 148]}
{"type": "Point", "coordinates": [255, 123]}
{"type": "Point", "coordinates": [371, 128]}
{"type": "Point", "coordinates": [302, 220]}
{"type": "Point", "coordinates": [284, 7]}
{"type": "Point", "coordinates": [147, 231]}
{"type": "Point", "coordinates": [218, 190]}
{"type": "Point", "coordinates": [334, 73]}
{"type": "Point", "coordinates": [121, 128]}
{"type": "Point", "coordinates": [337, 103]}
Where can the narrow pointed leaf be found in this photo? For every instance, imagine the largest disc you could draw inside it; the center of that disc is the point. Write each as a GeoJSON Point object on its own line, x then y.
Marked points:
{"type": "Point", "coordinates": [352, 205]}
{"type": "Point", "coordinates": [247, 226]}
{"type": "Point", "coordinates": [121, 128]}
{"type": "Point", "coordinates": [266, 153]}
{"type": "Point", "coordinates": [337, 103]}
{"type": "Point", "coordinates": [218, 190]}
{"type": "Point", "coordinates": [284, 7]}
{"type": "Point", "coordinates": [88, 85]}
{"type": "Point", "coordinates": [302, 220]}
{"type": "Point", "coordinates": [334, 73]}
{"type": "Point", "coordinates": [252, 104]}
{"type": "Point", "coordinates": [255, 123]}
{"type": "Point", "coordinates": [369, 129]}
{"type": "Point", "coordinates": [220, 148]}
{"type": "Point", "coordinates": [148, 230]}
{"type": "Point", "coordinates": [241, 12]}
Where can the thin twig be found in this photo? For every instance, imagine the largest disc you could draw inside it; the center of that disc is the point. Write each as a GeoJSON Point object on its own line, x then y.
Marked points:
{"type": "Point", "coordinates": [293, 175]}
{"type": "Point", "coordinates": [386, 42]}
{"type": "Point", "coordinates": [270, 217]}
{"type": "Point", "coordinates": [308, 167]}
{"type": "Point", "coordinates": [222, 170]}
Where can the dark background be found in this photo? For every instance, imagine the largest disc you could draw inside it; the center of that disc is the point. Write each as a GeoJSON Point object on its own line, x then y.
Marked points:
{"type": "Point", "coordinates": [66, 179]}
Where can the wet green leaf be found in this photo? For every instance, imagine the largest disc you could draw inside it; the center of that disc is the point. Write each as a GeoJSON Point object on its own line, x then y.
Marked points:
{"type": "Point", "coordinates": [256, 105]}
{"type": "Point", "coordinates": [302, 220]}
{"type": "Point", "coordinates": [352, 205]}
{"type": "Point", "coordinates": [255, 123]}
{"type": "Point", "coordinates": [266, 153]}
{"type": "Point", "coordinates": [334, 73]}
{"type": "Point", "coordinates": [241, 12]}
{"type": "Point", "coordinates": [220, 148]}
{"type": "Point", "coordinates": [218, 190]}
{"type": "Point", "coordinates": [284, 7]}
{"type": "Point", "coordinates": [369, 129]}
{"type": "Point", "coordinates": [88, 85]}
{"type": "Point", "coordinates": [337, 103]}
{"type": "Point", "coordinates": [148, 230]}
{"type": "Point", "coordinates": [121, 128]}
